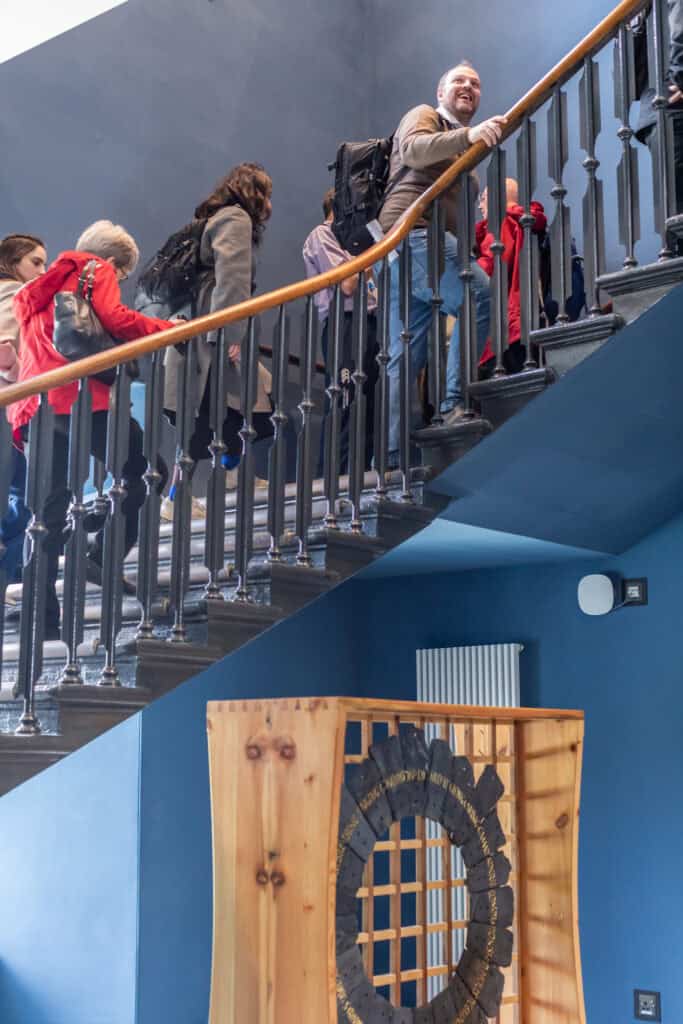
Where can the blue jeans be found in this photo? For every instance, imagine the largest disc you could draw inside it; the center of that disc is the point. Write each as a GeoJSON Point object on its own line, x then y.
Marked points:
{"type": "Point", "coordinates": [420, 321]}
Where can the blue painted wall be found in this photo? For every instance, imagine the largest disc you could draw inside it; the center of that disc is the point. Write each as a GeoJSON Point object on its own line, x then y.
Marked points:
{"type": "Point", "coordinates": [69, 864]}
{"type": "Point", "coordinates": [625, 672]}
{"type": "Point", "coordinates": [314, 652]}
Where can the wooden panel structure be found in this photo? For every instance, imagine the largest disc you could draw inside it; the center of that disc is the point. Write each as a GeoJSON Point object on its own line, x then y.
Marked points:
{"type": "Point", "coordinates": [276, 770]}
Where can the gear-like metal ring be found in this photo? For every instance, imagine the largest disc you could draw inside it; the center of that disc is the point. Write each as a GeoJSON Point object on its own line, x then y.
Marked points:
{"type": "Point", "coordinates": [403, 777]}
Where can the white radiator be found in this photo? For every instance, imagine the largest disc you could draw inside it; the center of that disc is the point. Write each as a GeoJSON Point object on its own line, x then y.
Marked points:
{"type": "Point", "coordinates": [485, 675]}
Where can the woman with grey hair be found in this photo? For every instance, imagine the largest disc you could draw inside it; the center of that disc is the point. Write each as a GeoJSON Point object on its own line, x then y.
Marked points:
{"type": "Point", "coordinates": [114, 256]}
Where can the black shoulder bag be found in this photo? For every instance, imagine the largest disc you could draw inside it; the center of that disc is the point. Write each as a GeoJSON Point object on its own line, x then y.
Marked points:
{"type": "Point", "coordinates": [78, 332]}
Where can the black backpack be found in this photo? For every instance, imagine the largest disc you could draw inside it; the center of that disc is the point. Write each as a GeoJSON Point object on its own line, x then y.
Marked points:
{"type": "Point", "coordinates": [173, 276]}
{"type": "Point", "coordinates": [361, 173]}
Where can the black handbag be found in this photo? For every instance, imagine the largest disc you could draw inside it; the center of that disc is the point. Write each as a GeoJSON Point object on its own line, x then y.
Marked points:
{"type": "Point", "coordinates": [78, 332]}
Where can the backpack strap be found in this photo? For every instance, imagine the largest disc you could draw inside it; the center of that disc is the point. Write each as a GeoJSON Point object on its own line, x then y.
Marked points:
{"type": "Point", "coordinates": [86, 280]}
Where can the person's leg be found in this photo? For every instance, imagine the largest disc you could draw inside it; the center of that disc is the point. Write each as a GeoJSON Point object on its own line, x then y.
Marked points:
{"type": "Point", "coordinates": [133, 470]}
{"type": "Point", "coordinates": [54, 518]}
{"type": "Point", "coordinates": [371, 369]}
{"type": "Point", "coordinates": [452, 293]}
{"type": "Point", "coordinates": [420, 318]}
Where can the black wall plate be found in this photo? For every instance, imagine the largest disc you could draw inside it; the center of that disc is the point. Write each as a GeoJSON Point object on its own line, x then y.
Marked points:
{"type": "Point", "coordinates": [647, 1005]}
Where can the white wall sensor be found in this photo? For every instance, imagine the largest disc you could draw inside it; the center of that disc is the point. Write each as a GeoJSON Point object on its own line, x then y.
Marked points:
{"type": "Point", "coordinates": [596, 594]}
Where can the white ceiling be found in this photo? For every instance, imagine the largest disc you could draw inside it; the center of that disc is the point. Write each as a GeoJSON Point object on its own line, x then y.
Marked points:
{"type": "Point", "coordinates": [27, 25]}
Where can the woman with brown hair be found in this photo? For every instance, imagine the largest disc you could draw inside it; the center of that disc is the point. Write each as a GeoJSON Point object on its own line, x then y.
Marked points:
{"type": "Point", "coordinates": [22, 258]}
{"type": "Point", "coordinates": [235, 213]}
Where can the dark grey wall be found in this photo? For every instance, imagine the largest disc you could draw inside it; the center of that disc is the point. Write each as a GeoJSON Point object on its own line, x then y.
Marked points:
{"type": "Point", "coordinates": [512, 46]}
{"type": "Point", "coordinates": [134, 115]}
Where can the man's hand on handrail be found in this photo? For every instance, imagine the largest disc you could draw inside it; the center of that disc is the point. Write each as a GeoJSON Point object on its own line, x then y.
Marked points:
{"type": "Point", "coordinates": [489, 131]}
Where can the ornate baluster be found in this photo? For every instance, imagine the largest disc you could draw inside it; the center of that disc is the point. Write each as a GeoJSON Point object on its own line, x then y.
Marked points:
{"type": "Point", "coordinates": [529, 262]}
{"type": "Point", "coordinates": [304, 464]}
{"type": "Point", "coordinates": [435, 253]}
{"type": "Point", "coordinates": [467, 315]}
{"type": "Point", "coordinates": [182, 502]}
{"type": "Point", "coordinates": [499, 284]}
{"type": "Point", "coordinates": [382, 401]}
{"type": "Point", "coordinates": [593, 204]}
{"type": "Point", "coordinates": [214, 541]}
{"type": "Point", "coordinates": [244, 534]}
{"type": "Point", "coordinates": [663, 169]}
{"type": "Point", "coordinates": [118, 430]}
{"type": "Point", "coordinates": [148, 559]}
{"type": "Point", "coordinates": [32, 625]}
{"type": "Point", "coordinates": [277, 457]}
{"type": "Point", "coordinates": [628, 187]}
{"type": "Point", "coordinates": [76, 546]}
{"type": "Point", "coordinates": [406, 383]}
{"type": "Point", "coordinates": [560, 229]}
{"type": "Point", "coordinates": [358, 409]}
{"type": "Point", "coordinates": [6, 473]}
{"type": "Point", "coordinates": [332, 423]}
{"type": "Point", "coordinates": [101, 502]}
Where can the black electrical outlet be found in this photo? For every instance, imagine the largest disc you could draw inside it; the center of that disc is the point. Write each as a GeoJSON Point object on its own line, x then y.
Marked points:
{"type": "Point", "coordinates": [635, 592]}
{"type": "Point", "coordinates": [647, 1005]}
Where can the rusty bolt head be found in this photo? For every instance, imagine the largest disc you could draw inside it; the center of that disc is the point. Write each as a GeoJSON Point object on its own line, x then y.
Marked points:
{"type": "Point", "coordinates": [253, 751]}
{"type": "Point", "coordinates": [288, 751]}
{"type": "Point", "coordinates": [277, 878]}
{"type": "Point", "coordinates": [261, 877]}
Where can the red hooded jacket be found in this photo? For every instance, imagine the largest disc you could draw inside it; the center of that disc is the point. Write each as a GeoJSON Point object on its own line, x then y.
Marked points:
{"type": "Point", "coordinates": [512, 237]}
{"type": "Point", "coordinates": [34, 310]}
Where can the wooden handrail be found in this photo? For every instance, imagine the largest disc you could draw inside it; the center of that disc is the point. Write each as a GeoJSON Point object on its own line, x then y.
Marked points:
{"type": "Point", "coordinates": [526, 106]}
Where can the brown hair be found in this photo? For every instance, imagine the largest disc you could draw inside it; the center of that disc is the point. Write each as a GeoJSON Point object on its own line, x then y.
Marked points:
{"type": "Point", "coordinates": [13, 248]}
{"type": "Point", "coordinates": [248, 186]}
{"type": "Point", "coordinates": [328, 200]}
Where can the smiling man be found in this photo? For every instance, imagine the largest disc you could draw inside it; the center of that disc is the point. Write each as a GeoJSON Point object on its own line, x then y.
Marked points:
{"type": "Point", "coordinates": [426, 142]}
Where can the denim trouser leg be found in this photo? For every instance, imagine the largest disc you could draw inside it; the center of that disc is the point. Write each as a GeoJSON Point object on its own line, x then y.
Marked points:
{"type": "Point", "coordinates": [420, 319]}
{"type": "Point", "coordinates": [482, 308]}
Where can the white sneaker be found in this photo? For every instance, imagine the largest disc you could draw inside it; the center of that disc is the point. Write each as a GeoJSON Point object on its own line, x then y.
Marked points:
{"type": "Point", "coordinates": [454, 415]}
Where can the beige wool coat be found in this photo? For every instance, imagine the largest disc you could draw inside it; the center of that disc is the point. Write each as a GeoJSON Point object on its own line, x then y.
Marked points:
{"type": "Point", "coordinates": [227, 253]}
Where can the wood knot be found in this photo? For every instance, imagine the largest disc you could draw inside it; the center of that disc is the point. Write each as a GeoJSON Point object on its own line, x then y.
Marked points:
{"type": "Point", "coordinates": [277, 878]}
{"type": "Point", "coordinates": [262, 877]}
{"type": "Point", "coordinates": [562, 821]}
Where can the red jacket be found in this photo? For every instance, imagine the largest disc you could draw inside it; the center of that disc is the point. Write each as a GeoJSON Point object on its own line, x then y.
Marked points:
{"type": "Point", "coordinates": [34, 310]}
{"type": "Point", "coordinates": [512, 237]}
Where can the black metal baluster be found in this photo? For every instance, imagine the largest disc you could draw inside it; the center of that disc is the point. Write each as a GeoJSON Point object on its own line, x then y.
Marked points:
{"type": "Point", "coordinates": [214, 542]}
{"type": "Point", "coordinates": [6, 470]}
{"type": "Point", "coordinates": [101, 502]}
{"type": "Point", "coordinates": [118, 432]}
{"type": "Point", "coordinates": [663, 169]}
{"type": "Point", "coordinates": [467, 315]}
{"type": "Point", "coordinates": [73, 613]}
{"type": "Point", "coordinates": [182, 502]}
{"type": "Point", "coordinates": [358, 408]}
{"type": "Point", "coordinates": [593, 203]}
{"type": "Point", "coordinates": [560, 229]}
{"type": "Point", "coordinates": [435, 263]}
{"type": "Point", "coordinates": [406, 383]}
{"type": "Point", "coordinates": [277, 457]}
{"type": "Point", "coordinates": [529, 262]}
{"type": "Point", "coordinates": [34, 580]}
{"type": "Point", "coordinates": [628, 186]}
{"type": "Point", "coordinates": [244, 534]}
{"type": "Point", "coordinates": [497, 209]}
{"type": "Point", "coordinates": [304, 462]}
{"type": "Point", "coordinates": [381, 438]}
{"type": "Point", "coordinates": [332, 422]}
{"type": "Point", "coordinates": [148, 558]}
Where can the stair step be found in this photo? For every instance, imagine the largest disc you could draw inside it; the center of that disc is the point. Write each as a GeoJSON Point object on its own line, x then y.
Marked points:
{"type": "Point", "coordinates": [503, 397]}
{"type": "Point", "coordinates": [441, 446]}
{"type": "Point", "coordinates": [634, 290]}
{"type": "Point", "coordinates": [566, 345]}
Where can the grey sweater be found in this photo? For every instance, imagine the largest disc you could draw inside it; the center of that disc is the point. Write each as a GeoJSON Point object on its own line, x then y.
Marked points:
{"type": "Point", "coordinates": [422, 145]}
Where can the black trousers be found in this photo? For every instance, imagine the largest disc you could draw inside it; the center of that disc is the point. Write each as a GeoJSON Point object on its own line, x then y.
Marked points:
{"type": "Point", "coordinates": [348, 365]}
{"type": "Point", "coordinates": [57, 503]}
{"type": "Point", "coordinates": [232, 424]}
